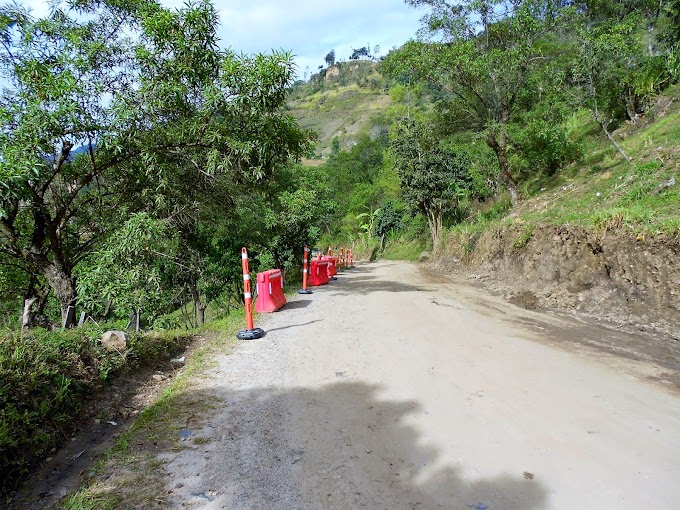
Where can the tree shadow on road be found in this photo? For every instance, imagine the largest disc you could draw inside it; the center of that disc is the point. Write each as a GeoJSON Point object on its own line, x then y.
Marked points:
{"type": "Point", "coordinates": [297, 303]}
{"type": "Point", "coordinates": [294, 325]}
{"type": "Point", "coordinates": [339, 447]}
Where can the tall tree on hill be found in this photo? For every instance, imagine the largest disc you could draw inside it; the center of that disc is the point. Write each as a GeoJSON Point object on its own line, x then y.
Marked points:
{"type": "Point", "coordinates": [360, 52]}
{"type": "Point", "coordinates": [433, 178]}
{"type": "Point", "coordinates": [482, 52]}
{"type": "Point", "coordinates": [330, 58]}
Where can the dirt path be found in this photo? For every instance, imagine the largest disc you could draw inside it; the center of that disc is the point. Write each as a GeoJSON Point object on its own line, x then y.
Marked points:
{"type": "Point", "coordinates": [388, 390]}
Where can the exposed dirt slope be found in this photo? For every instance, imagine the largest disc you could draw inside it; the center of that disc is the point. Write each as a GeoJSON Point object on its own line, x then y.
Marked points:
{"type": "Point", "coordinates": [631, 281]}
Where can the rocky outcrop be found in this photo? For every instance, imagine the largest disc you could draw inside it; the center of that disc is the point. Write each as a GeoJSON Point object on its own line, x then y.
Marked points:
{"type": "Point", "coordinates": [332, 73]}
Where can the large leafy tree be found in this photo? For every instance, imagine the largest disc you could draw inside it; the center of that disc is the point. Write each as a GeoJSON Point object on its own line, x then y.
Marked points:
{"type": "Point", "coordinates": [482, 52]}
{"type": "Point", "coordinates": [603, 69]}
{"type": "Point", "coordinates": [104, 101]}
{"type": "Point", "coordinates": [433, 177]}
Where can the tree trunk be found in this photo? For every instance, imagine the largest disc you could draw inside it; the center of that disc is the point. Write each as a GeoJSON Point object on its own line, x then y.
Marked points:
{"type": "Point", "coordinates": [434, 221]}
{"type": "Point", "coordinates": [630, 106]}
{"type": "Point", "coordinates": [199, 305]}
{"type": "Point", "coordinates": [39, 293]}
{"type": "Point", "coordinates": [611, 139]}
{"type": "Point", "coordinates": [200, 310]}
{"type": "Point", "coordinates": [499, 145]}
{"type": "Point", "coordinates": [64, 286]}
{"type": "Point", "coordinates": [27, 315]}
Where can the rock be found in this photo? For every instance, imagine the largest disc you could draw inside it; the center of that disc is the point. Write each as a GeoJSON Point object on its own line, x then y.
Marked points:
{"type": "Point", "coordinates": [668, 184]}
{"type": "Point", "coordinates": [424, 256]}
{"type": "Point", "coordinates": [525, 299]}
{"type": "Point", "coordinates": [114, 340]}
{"type": "Point", "coordinates": [332, 72]}
{"type": "Point", "coordinates": [178, 361]}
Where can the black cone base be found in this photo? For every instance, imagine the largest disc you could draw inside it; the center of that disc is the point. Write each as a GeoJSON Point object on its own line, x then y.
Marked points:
{"type": "Point", "coordinates": [333, 278]}
{"type": "Point", "coordinates": [303, 291]}
{"type": "Point", "coordinates": [250, 334]}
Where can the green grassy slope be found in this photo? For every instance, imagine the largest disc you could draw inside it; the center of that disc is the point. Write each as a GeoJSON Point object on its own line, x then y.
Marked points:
{"type": "Point", "coordinates": [350, 101]}
{"type": "Point", "coordinates": [600, 191]}
{"type": "Point", "coordinates": [604, 191]}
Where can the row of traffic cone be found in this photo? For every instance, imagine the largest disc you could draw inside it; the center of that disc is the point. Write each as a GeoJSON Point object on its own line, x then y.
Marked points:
{"type": "Point", "coordinates": [251, 332]}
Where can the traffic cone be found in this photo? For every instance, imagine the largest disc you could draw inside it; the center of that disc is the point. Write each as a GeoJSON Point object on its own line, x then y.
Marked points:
{"type": "Point", "coordinates": [251, 332]}
{"type": "Point", "coordinates": [305, 272]}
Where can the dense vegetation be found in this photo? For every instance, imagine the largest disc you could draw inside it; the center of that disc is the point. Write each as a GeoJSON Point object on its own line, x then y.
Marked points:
{"type": "Point", "coordinates": [496, 102]}
{"type": "Point", "coordinates": [137, 157]}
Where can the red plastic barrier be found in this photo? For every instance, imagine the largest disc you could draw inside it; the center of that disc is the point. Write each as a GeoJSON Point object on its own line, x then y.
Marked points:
{"type": "Point", "coordinates": [332, 266]}
{"type": "Point", "coordinates": [270, 295]}
{"type": "Point", "coordinates": [319, 273]}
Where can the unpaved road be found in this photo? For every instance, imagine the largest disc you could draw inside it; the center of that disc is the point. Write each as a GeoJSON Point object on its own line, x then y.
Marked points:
{"type": "Point", "coordinates": [389, 389]}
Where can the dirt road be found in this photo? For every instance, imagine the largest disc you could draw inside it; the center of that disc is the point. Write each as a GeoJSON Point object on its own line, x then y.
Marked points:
{"type": "Point", "coordinates": [389, 389]}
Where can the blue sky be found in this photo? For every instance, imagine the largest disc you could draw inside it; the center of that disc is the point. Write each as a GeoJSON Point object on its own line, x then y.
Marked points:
{"type": "Point", "coordinates": [308, 28]}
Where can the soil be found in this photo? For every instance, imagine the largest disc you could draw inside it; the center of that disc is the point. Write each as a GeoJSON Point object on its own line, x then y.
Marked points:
{"type": "Point", "coordinates": [632, 283]}
{"type": "Point", "coordinates": [397, 387]}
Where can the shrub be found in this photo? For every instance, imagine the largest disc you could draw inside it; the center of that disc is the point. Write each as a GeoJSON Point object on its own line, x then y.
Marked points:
{"type": "Point", "coordinates": [546, 148]}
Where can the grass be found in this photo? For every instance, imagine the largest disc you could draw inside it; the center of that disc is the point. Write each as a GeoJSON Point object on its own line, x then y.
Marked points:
{"type": "Point", "coordinates": [84, 501]}
{"type": "Point", "coordinates": [134, 473]}
{"type": "Point", "coordinates": [524, 237]}
{"type": "Point", "coordinates": [602, 192]}
{"type": "Point", "coordinates": [404, 249]}
{"type": "Point", "coordinates": [45, 378]}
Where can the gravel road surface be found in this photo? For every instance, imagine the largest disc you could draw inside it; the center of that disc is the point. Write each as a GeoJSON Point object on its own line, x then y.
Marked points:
{"type": "Point", "coordinates": [392, 388]}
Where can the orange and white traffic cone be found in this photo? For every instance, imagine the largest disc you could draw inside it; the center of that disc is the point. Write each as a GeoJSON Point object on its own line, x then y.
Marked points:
{"type": "Point", "coordinates": [251, 332]}
{"type": "Point", "coordinates": [305, 272]}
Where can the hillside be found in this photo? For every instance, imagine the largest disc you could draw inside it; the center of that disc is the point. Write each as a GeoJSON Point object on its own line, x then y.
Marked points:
{"type": "Point", "coordinates": [601, 238]}
{"type": "Point", "coordinates": [598, 237]}
{"type": "Point", "coordinates": [342, 102]}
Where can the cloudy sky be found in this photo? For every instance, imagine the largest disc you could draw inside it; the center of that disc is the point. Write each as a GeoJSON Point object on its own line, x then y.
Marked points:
{"type": "Point", "coordinates": [308, 28]}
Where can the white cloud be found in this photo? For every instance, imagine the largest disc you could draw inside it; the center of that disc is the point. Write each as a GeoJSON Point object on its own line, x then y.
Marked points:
{"type": "Point", "coordinates": [308, 28]}
{"type": "Point", "coordinates": [311, 28]}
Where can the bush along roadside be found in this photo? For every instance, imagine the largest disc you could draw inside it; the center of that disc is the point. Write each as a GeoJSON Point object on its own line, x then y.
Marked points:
{"type": "Point", "coordinates": [128, 474]}
{"type": "Point", "coordinates": [46, 379]}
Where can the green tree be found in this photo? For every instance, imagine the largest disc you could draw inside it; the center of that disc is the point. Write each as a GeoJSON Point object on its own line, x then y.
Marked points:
{"type": "Point", "coordinates": [482, 53]}
{"type": "Point", "coordinates": [672, 29]}
{"type": "Point", "coordinates": [433, 178]}
{"type": "Point", "coordinates": [330, 58]}
{"type": "Point", "coordinates": [335, 145]}
{"type": "Point", "coordinates": [360, 52]}
{"type": "Point", "coordinates": [387, 220]}
{"type": "Point", "coordinates": [105, 101]}
{"type": "Point", "coordinates": [603, 69]}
